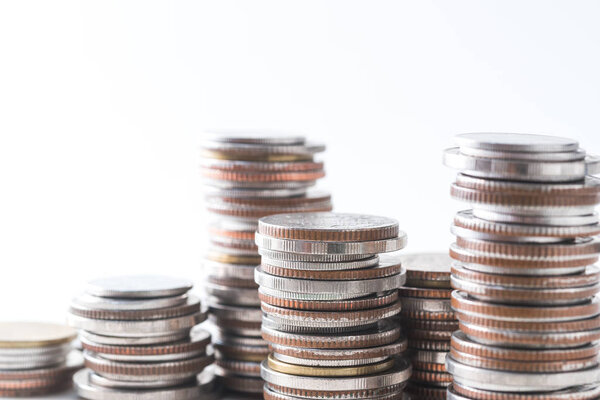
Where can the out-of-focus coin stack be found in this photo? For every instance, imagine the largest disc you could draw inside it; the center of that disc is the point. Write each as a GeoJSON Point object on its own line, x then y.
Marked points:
{"type": "Point", "coordinates": [248, 176]}
{"type": "Point", "coordinates": [135, 333]}
{"type": "Point", "coordinates": [525, 282]}
{"type": "Point", "coordinates": [36, 358]}
{"type": "Point", "coordinates": [428, 321]}
{"type": "Point", "coordinates": [328, 302]}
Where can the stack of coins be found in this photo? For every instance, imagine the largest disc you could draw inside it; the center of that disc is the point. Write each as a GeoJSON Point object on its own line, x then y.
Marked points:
{"type": "Point", "coordinates": [328, 303]}
{"type": "Point", "coordinates": [428, 321]}
{"type": "Point", "coordinates": [135, 332]}
{"type": "Point", "coordinates": [36, 358]}
{"type": "Point", "coordinates": [248, 176]}
{"type": "Point", "coordinates": [525, 284]}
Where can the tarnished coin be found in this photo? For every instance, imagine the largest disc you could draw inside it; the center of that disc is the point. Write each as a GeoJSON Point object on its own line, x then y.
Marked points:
{"type": "Point", "coordinates": [34, 334]}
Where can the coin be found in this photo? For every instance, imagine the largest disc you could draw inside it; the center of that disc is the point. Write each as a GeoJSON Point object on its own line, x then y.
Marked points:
{"type": "Point", "coordinates": [516, 142]}
{"type": "Point", "coordinates": [33, 334]}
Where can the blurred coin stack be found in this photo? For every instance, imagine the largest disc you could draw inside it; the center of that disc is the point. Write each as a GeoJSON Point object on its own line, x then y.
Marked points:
{"type": "Point", "coordinates": [523, 273]}
{"type": "Point", "coordinates": [249, 176]}
{"type": "Point", "coordinates": [328, 302]}
{"type": "Point", "coordinates": [428, 321]}
{"type": "Point", "coordinates": [135, 332]}
{"type": "Point", "coordinates": [36, 358]}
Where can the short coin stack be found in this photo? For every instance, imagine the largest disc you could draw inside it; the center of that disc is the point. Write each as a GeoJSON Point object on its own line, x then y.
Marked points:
{"type": "Point", "coordinates": [248, 176]}
{"type": "Point", "coordinates": [428, 322]}
{"type": "Point", "coordinates": [524, 277]}
{"type": "Point", "coordinates": [36, 358]}
{"type": "Point", "coordinates": [328, 303]}
{"type": "Point", "coordinates": [135, 332]}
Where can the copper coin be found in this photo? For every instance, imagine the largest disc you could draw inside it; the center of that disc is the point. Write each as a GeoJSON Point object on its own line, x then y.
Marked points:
{"type": "Point", "coordinates": [233, 258]}
{"type": "Point", "coordinates": [244, 235]}
{"type": "Point", "coordinates": [425, 392]}
{"type": "Point", "coordinates": [428, 366]}
{"type": "Point", "coordinates": [591, 276]}
{"type": "Point", "coordinates": [430, 293]}
{"type": "Point", "coordinates": [198, 344]}
{"type": "Point", "coordinates": [382, 270]}
{"type": "Point", "coordinates": [524, 366]}
{"type": "Point", "coordinates": [34, 392]}
{"type": "Point", "coordinates": [329, 227]}
{"type": "Point", "coordinates": [576, 393]}
{"type": "Point", "coordinates": [589, 187]}
{"type": "Point", "coordinates": [262, 166]}
{"type": "Point", "coordinates": [462, 303]}
{"type": "Point", "coordinates": [231, 243]}
{"type": "Point", "coordinates": [108, 367]}
{"type": "Point", "coordinates": [250, 176]}
{"type": "Point", "coordinates": [361, 303]}
{"type": "Point", "coordinates": [429, 315]}
{"type": "Point", "coordinates": [384, 333]}
{"type": "Point", "coordinates": [432, 378]}
{"type": "Point", "coordinates": [422, 334]}
{"type": "Point", "coordinates": [580, 325]}
{"type": "Point", "coordinates": [243, 368]}
{"type": "Point", "coordinates": [464, 344]}
{"type": "Point", "coordinates": [577, 248]}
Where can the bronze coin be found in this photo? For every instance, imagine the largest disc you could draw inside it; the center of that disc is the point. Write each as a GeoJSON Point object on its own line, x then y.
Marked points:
{"type": "Point", "coordinates": [263, 166]}
{"type": "Point", "coordinates": [431, 345]}
{"type": "Point", "coordinates": [429, 315]}
{"type": "Point", "coordinates": [333, 316]}
{"type": "Point", "coordinates": [428, 366]}
{"type": "Point", "coordinates": [191, 306]}
{"type": "Point", "coordinates": [148, 350]}
{"type": "Point", "coordinates": [249, 176]}
{"type": "Point", "coordinates": [429, 293]}
{"type": "Point", "coordinates": [242, 235]}
{"type": "Point", "coordinates": [422, 334]}
{"type": "Point", "coordinates": [580, 325]}
{"type": "Point", "coordinates": [424, 324]}
{"type": "Point", "coordinates": [233, 258]}
{"type": "Point", "coordinates": [431, 378]}
{"type": "Point", "coordinates": [362, 303]}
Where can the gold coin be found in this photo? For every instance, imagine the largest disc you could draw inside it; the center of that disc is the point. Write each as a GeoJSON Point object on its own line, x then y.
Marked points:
{"type": "Point", "coordinates": [256, 157]}
{"type": "Point", "coordinates": [303, 370]}
{"type": "Point", "coordinates": [233, 258]}
{"type": "Point", "coordinates": [34, 334]}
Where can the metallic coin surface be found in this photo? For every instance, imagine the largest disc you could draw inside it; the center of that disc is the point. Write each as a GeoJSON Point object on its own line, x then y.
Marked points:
{"type": "Point", "coordinates": [34, 334]}
{"type": "Point", "coordinates": [138, 286]}
{"type": "Point", "coordinates": [517, 142]}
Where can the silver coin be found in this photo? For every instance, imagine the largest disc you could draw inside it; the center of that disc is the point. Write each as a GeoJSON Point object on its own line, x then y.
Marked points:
{"type": "Point", "coordinates": [223, 311]}
{"type": "Point", "coordinates": [309, 296]}
{"type": "Point", "coordinates": [313, 247]}
{"type": "Point", "coordinates": [216, 248]}
{"type": "Point", "coordinates": [426, 356]}
{"type": "Point", "coordinates": [338, 354]}
{"type": "Point", "coordinates": [327, 363]}
{"type": "Point", "coordinates": [304, 149]}
{"type": "Point", "coordinates": [21, 363]}
{"type": "Point", "coordinates": [254, 193]}
{"type": "Point", "coordinates": [223, 270]}
{"type": "Point", "coordinates": [221, 184]}
{"type": "Point", "coordinates": [320, 258]}
{"type": "Point", "coordinates": [284, 325]}
{"type": "Point", "coordinates": [153, 358]}
{"type": "Point", "coordinates": [548, 296]}
{"type": "Point", "coordinates": [576, 155]}
{"type": "Point", "coordinates": [518, 142]}
{"type": "Point", "coordinates": [399, 374]}
{"type": "Point", "coordinates": [547, 220]}
{"type": "Point", "coordinates": [99, 380]}
{"type": "Point", "coordinates": [258, 137]}
{"type": "Point", "coordinates": [146, 372]}
{"type": "Point", "coordinates": [428, 262]}
{"type": "Point", "coordinates": [134, 341]}
{"type": "Point", "coordinates": [115, 304]}
{"type": "Point", "coordinates": [159, 327]}
{"type": "Point", "coordinates": [224, 338]}
{"type": "Point", "coordinates": [521, 271]}
{"type": "Point", "coordinates": [423, 304]}
{"type": "Point", "coordinates": [526, 234]}
{"type": "Point", "coordinates": [313, 286]}
{"type": "Point", "coordinates": [322, 266]}
{"type": "Point", "coordinates": [537, 211]}
{"type": "Point", "coordinates": [232, 295]}
{"type": "Point", "coordinates": [392, 394]}
{"type": "Point", "coordinates": [532, 171]}
{"type": "Point", "coordinates": [592, 165]}
{"type": "Point", "coordinates": [85, 389]}
{"type": "Point", "coordinates": [138, 286]}
{"type": "Point", "coordinates": [34, 352]}
{"type": "Point", "coordinates": [588, 392]}
{"type": "Point", "coordinates": [504, 381]}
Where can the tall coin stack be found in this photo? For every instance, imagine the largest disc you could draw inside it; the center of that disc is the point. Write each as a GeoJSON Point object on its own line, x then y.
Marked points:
{"type": "Point", "coordinates": [428, 321]}
{"type": "Point", "coordinates": [525, 282]}
{"type": "Point", "coordinates": [249, 176]}
{"type": "Point", "coordinates": [328, 303]}
{"type": "Point", "coordinates": [36, 358]}
{"type": "Point", "coordinates": [135, 332]}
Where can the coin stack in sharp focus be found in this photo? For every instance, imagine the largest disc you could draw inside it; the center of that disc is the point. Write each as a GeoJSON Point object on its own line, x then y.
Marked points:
{"type": "Point", "coordinates": [428, 321]}
{"type": "Point", "coordinates": [328, 301]}
{"type": "Point", "coordinates": [36, 358]}
{"type": "Point", "coordinates": [525, 282]}
{"type": "Point", "coordinates": [249, 175]}
{"type": "Point", "coordinates": [135, 332]}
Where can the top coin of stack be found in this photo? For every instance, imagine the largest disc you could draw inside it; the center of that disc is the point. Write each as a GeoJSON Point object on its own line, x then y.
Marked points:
{"type": "Point", "coordinates": [328, 302]}
{"type": "Point", "coordinates": [36, 358]}
{"type": "Point", "coordinates": [526, 291]}
{"type": "Point", "coordinates": [428, 322]}
{"type": "Point", "coordinates": [135, 332]}
{"type": "Point", "coordinates": [249, 175]}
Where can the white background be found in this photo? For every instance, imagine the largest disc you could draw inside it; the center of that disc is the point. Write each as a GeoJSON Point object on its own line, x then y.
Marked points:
{"type": "Point", "coordinates": [102, 105]}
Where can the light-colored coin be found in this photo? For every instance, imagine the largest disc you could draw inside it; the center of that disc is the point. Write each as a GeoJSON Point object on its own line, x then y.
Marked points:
{"type": "Point", "coordinates": [517, 142]}
{"type": "Point", "coordinates": [34, 334]}
{"type": "Point", "coordinates": [138, 286]}
{"type": "Point", "coordinates": [118, 304]}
